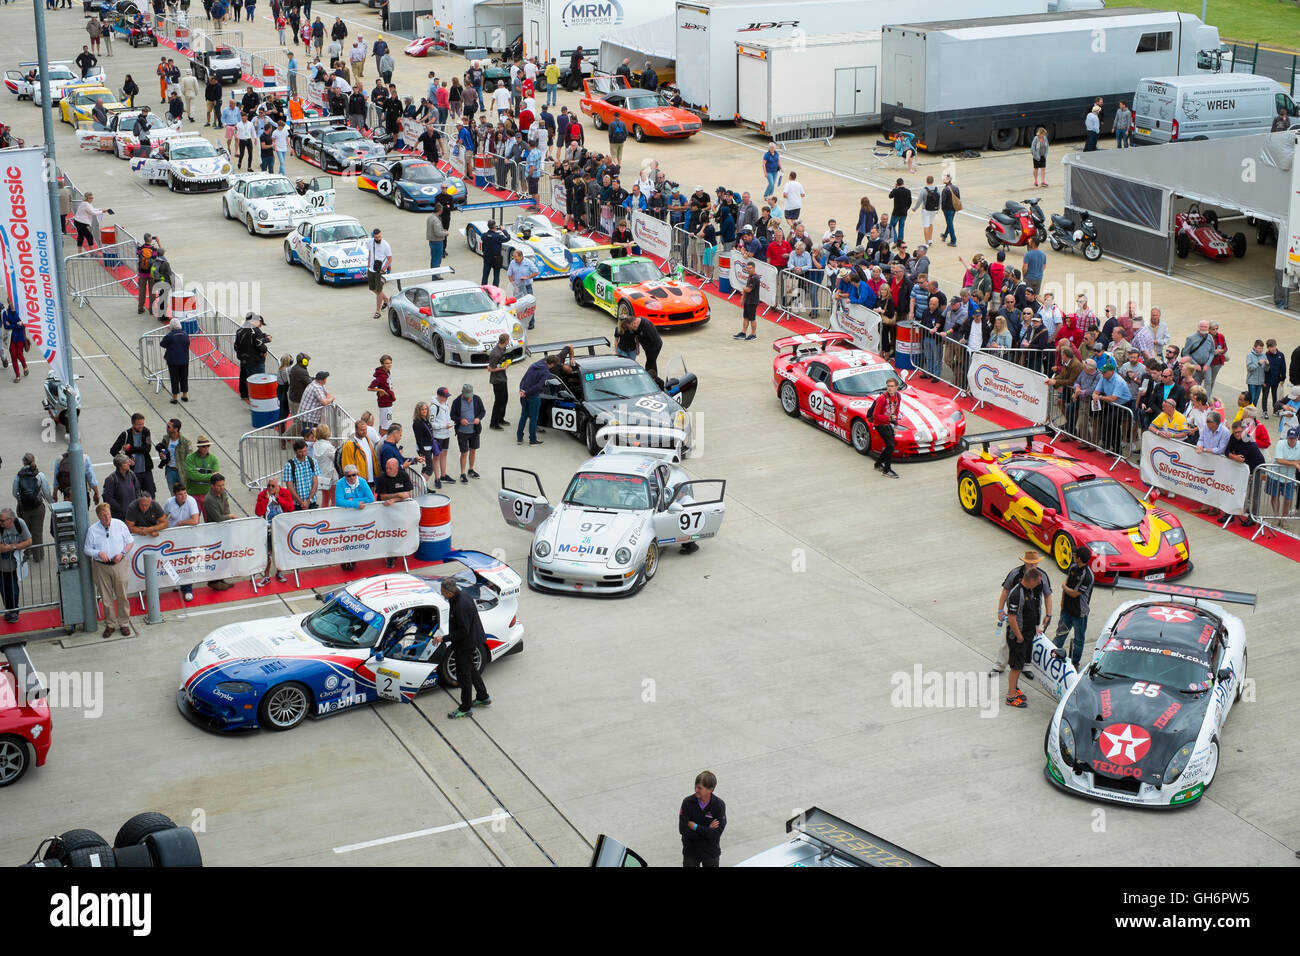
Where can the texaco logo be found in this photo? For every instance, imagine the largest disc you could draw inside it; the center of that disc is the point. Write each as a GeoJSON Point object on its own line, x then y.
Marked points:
{"type": "Point", "coordinates": [1171, 615]}
{"type": "Point", "coordinates": [1125, 744]}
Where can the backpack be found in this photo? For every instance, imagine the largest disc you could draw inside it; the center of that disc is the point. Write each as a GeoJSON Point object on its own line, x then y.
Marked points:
{"type": "Point", "coordinates": [63, 477]}
{"type": "Point", "coordinates": [931, 198]}
{"type": "Point", "coordinates": [29, 489]}
{"type": "Point", "coordinates": [142, 263]}
{"type": "Point", "coordinates": [338, 459]}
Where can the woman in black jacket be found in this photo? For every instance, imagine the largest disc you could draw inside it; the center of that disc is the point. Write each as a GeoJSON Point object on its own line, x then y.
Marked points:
{"type": "Point", "coordinates": [426, 445]}
{"type": "Point", "coordinates": [129, 90]}
{"type": "Point", "coordinates": [176, 353]}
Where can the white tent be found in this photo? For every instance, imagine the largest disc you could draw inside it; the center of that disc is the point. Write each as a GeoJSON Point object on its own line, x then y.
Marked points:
{"type": "Point", "coordinates": [655, 40]}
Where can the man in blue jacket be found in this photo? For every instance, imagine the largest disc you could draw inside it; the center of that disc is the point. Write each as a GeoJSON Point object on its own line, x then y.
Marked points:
{"type": "Point", "coordinates": [701, 821]}
{"type": "Point", "coordinates": [530, 393]}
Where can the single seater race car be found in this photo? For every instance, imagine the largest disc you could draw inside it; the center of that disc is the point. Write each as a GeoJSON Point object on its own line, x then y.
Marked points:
{"type": "Point", "coordinates": [117, 137]}
{"type": "Point", "coordinates": [1057, 503]}
{"type": "Point", "coordinates": [823, 379]}
{"type": "Point", "coordinates": [130, 24]}
{"type": "Point", "coordinates": [26, 85]}
{"type": "Point", "coordinates": [411, 182]}
{"type": "Point", "coordinates": [619, 510]}
{"type": "Point", "coordinates": [1200, 231]}
{"type": "Point", "coordinates": [188, 164]}
{"type": "Point", "coordinates": [328, 144]}
{"type": "Point", "coordinates": [269, 204]}
{"type": "Point", "coordinates": [78, 101]}
{"type": "Point", "coordinates": [328, 246]}
{"type": "Point", "coordinates": [1141, 724]}
{"type": "Point", "coordinates": [554, 251]}
{"type": "Point", "coordinates": [24, 715]}
{"type": "Point", "coordinates": [426, 46]}
{"type": "Point", "coordinates": [610, 399]}
{"type": "Point", "coordinates": [374, 639]}
{"type": "Point", "coordinates": [646, 113]}
{"type": "Point", "coordinates": [457, 321]}
{"type": "Point", "coordinates": [633, 285]}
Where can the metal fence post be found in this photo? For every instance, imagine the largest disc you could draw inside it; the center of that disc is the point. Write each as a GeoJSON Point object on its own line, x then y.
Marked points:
{"type": "Point", "coordinates": [151, 588]}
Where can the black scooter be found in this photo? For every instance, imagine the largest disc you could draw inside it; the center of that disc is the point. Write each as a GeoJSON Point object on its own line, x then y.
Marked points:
{"type": "Point", "coordinates": [1065, 234]}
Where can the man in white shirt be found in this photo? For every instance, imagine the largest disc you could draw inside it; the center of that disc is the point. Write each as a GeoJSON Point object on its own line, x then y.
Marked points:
{"type": "Point", "coordinates": [530, 71]}
{"type": "Point", "coordinates": [501, 100]}
{"type": "Point", "coordinates": [182, 510]}
{"type": "Point", "coordinates": [1051, 315]}
{"type": "Point", "coordinates": [794, 194]}
{"type": "Point", "coordinates": [107, 545]}
{"type": "Point", "coordinates": [379, 259]}
{"type": "Point", "coordinates": [280, 139]}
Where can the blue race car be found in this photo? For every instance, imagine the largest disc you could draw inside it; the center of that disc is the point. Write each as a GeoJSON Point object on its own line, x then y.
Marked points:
{"type": "Point", "coordinates": [374, 639]}
{"type": "Point", "coordinates": [330, 247]}
{"type": "Point", "coordinates": [411, 182]}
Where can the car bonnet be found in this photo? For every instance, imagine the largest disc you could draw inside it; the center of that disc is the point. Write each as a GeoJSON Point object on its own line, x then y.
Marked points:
{"type": "Point", "coordinates": [571, 543]}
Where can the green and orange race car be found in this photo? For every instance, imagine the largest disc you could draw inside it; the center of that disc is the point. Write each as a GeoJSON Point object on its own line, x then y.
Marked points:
{"type": "Point", "coordinates": [633, 285]}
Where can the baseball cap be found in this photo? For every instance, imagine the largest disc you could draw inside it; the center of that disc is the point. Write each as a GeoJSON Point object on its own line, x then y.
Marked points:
{"type": "Point", "coordinates": [1293, 433]}
{"type": "Point", "coordinates": [321, 376]}
{"type": "Point", "coordinates": [467, 389]}
{"type": "Point", "coordinates": [747, 229]}
{"type": "Point", "coordinates": [443, 392]}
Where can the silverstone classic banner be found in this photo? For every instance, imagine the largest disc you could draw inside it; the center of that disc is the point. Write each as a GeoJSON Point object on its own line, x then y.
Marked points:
{"type": "Point", "coordinates": [28, 244]}
{"type": "Point", "coordinates": [201, 552]}
{"type": "Point", "coordinates": [995, 381]}
{"type": "Point", "coordinates": [653, 235]}
{"type": "Point", "coordinates": [310, 539]}
{"type": "Point", "coordinates": [858, 321]}
{"type": "Point", "coordinates": [1180, 469]}
{"type": "Point", "coordinates": [767, 278]}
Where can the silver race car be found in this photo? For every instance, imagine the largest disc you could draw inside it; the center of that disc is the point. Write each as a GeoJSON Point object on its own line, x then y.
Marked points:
{"type": "Point", "coordinates": [458, 321]}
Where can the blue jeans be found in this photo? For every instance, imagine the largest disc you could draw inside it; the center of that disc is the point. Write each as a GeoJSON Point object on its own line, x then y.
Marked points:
{"type": "Point", "coordinates": [1254, 392]}
{"type": "Point", "coordinates": [933, 350]}
{"type": "Point", "coordinates": [552, 94]}
{"type": "Point", "coordinates": [1080, 625]}
{"type": "Point", "coordinates": [950, 230]}
{"type": "Point", "coordinates": [625, 353]}
{"type": "Point", "coordinates": [896, 225]}
{"type": "Point", "coordinates": [771, 182]}
{"type": "Point", "coordinates": [436, 250]}
{"type": "Point", "coordinates": [530, 408]}
{"type": "Point", "coordinates": [279, 155]}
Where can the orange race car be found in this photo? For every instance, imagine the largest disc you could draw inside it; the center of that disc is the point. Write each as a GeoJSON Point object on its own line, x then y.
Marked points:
{"type": "Point", "coordinates": [646, 113]}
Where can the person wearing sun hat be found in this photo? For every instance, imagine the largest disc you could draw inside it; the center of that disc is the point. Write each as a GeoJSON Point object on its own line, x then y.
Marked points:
{"type": "Point", "coordinates": [200, 466]}
{"type": "Point", "coordinates": [1030, 559]}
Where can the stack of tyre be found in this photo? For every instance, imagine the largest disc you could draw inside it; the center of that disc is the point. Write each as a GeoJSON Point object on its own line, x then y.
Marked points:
{"type": "Point", "coordinates": [147, 839]}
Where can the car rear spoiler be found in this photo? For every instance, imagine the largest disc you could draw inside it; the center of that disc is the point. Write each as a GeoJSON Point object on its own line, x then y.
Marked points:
{"type": "Point", "coordinates": [850, 843]}
{"type": "Point", "coordinates": [27, 680]}
{"type": "Point", "coordinates": [590, 345]}
{"type": "Point", "coordinates": [496, 204]}
{"type": "Point", "coordinates": [308, 122]}
{"type": "Point", "coordinates": [984, 439]}
{"type": "Point", "coordinates": [493, 571]}
{"type": "Point", "coordinates": [37, 63]}
{"type": "Point", "coordinates": [655, 441]}
{"type": "Point", "coordinates": [400, 277]}
{"type": "Point", "coordinates": [813, 341]}
{"type": "Point", "coordinates": [1192, 594]}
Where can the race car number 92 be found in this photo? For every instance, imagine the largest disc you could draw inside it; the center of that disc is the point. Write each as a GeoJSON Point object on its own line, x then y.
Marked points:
{"type": "Point", "coordinates": [565, 419]}
{"type": "Point", "coordinates": [819, 404]}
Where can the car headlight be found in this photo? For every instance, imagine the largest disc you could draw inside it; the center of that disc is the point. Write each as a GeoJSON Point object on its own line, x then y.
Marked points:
{"type": "Point", "coordinates": [1178, 762]}
{"type": "Point", "coordinates": [679, 420]}
{"type": "Point", "coordinates": [225, 168]}
{"type": "Point", "coordinates": [195, 652]}
{"type": "Point", "coordinates": [1065, 740]}
{"type": "Point", "coordinates": [466, 339]}
{"type": "Point", "coordinates": [542, 549]}
{"type": "Point", "coordinates": [652, 305]}
{"type": "Point", "coordinates": [1174, 536]}
{"type": "Point", "coordinates": [263, 215]}
{"type": "Point", "coordinates": [517, 330]}
{"type": "Point", "coordinates": [235, 687]}
{"type": "Point", "coordinates": [955, 416]}
{"type": "Point", "coordinates": [332, 262]}
{"type": "Point", "coordinates": [186, 171]}
{"type": "Point", "coordinates": [622, 556]}
{"type": "Point", "coordinates": [1102, 547]}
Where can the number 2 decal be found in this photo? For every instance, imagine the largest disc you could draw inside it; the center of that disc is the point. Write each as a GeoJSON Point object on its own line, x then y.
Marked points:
{"type": "Point", "coordinates": [1144, 689]}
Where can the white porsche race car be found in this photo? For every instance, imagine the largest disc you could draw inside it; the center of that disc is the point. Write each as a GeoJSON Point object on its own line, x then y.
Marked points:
{"type": "Point", "coordinates": [457, 320]}
{"type": "Point", "coordinates": [117, 137]}
{"type": "Point", "coordinates": [329, 246]}
{"type": "Point", "coordinates": [26, 85]}
{"type": "Point", "coordinates": [270, 204]}
{"type": "Point", "coordinates": [620, 509]}
{"type": "Point", "coordinates": [553, 250]}
{"type": "Point", "coordinates": [1141, 724]}
{"type": "Point", "coordinates": [186, 164]}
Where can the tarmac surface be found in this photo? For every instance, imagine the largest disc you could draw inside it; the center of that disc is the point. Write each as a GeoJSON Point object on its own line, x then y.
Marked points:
{"type": "Point", "coordinates": [768, 657]}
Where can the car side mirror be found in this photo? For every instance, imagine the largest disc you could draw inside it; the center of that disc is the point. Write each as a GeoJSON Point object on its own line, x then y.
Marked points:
{"type": "Point", "coordinates": [1225, 673]}
{"type": "Point", "coordinates": [511, 300]}
{"type": "Point", "coordinates": [1049, 513]}
{"type": "Point", "coordinates": [425, 310]}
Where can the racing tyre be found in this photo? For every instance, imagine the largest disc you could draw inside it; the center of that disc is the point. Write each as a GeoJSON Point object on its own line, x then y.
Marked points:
{"type": "Point", "coordinates": [625, 310]}
{"type": "Point", "coordinates": [593, 443]}
{"type": "Point", "coordinates": [470, 234]}
{"type": "Point", "coordinates": [225, 210]}
{"type": "Point", "coordinates": [1092, 251]}
{"type": "Point", "coordinates": [99, 856]}
{"type": "Point", "coordinates": [580, 295]}
{"type": "Point", "coordinates": [991, 238]}
{"type": "Point", "coordinates": [596, 121]}
{"type": "Point", "coordinates": [1212, 218]}
{"type": "Point", "coordinates": [140, 826]}
{"type": "Point", "coordinates": [650, 566]}
{"type": "Point", "coordinates": [440, 349]}
{"type": "Point", "coordinates": [398, 199]}
{"type": "Point", "coordinates": [1182, 246]}
{"type": "Point", "coordinates": [1063, 550]}
{"type": "Point", "coordinates": [173, 184]}
{"type": "Point", "coordinates": [252, 230]}
{"type": "Point", "coordinates": [638, 134]}
{"type": "Point", "coordinates": [297, 149]}
{"type": "Point", "coordinates": [447, 669]}
{"type": "Point", "coordinates": [789, 399]}
{"type": "Point", "coordinates": [284, 707]}
{"type": "Point", "coordinates": [15, 758]}
{"type": "Point", "coordinates": [394, 325]}
{"type": "Point", "coordinates": [1241, 684]}
{"type": "Point", "coordinates": [1055, 243]}
{"type": "Point", "coordinates": [1238, 245]}
{"type": "Point", "coordinates": [288, 255]}
{"type": "Point", "coordinates": [860, 436]}
{"type": "Point", "coordinates": [317, 274]}
{"type": "Point", "coordinates": [969, 494]}
{"type": "Point", "coordinates": [1212, 764]}
{"type": "Point", "coordinates": [72, 840]}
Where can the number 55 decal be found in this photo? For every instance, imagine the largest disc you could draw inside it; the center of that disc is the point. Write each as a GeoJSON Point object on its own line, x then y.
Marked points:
{"type": "Point", "coordinates": [1142, 688]}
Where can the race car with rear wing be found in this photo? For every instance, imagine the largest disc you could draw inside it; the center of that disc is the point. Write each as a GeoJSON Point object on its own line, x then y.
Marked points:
{"type": "Point", "coordinates": [620, 508]}
{"type": "Point", "coordinates": [25, 83]}
{"type": "Point", "coordinates": [329, 144]}
{"type": "Point", "coordinates": [457, 320]}
{"type": "Point", "coordinates": [24, 715]}
{"type": "Point", "coordinates": [411, 182]}
{"type": "Point", "coordinates": [380, 637]}
{"type": "Point", "coordinates": [553, 250]}
{"type": "Point", "coordinates": [1141, 724]}
{"type": "Point", "coordinates": [627, 286]}
{"type": "Point", "coordinates": [118, 138]}
{"type": "Point", "coordinates": [822, 378]}
{"type": "Point", "coordinates": [1057, 503]}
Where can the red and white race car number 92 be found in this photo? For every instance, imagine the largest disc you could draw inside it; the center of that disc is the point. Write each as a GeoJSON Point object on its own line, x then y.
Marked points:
{"type": "Point", "coordinates": [819, 404]}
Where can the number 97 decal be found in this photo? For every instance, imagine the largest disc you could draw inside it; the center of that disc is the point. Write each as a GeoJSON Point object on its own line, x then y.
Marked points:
{"type": "Point", "coordinates": [523, 509]}
{"type": "Point", "coordinates": [690, 521]}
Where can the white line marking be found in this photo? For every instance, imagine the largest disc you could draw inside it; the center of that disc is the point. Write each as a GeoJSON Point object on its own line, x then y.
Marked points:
{"type": "Point", "coordinates": [84, 358]}
{"type": "Point", "coordinates": [232, 607]}
{"type": "Point", "coordinates": [419, 833]}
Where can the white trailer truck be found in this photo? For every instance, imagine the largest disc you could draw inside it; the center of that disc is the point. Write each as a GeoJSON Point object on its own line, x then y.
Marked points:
{"type": "Point", "coordinates": [708, 31]}
{"type": "Point", "coordinates": [1019, 73]}
{"type": "Point", "coordinates": [555, 28]}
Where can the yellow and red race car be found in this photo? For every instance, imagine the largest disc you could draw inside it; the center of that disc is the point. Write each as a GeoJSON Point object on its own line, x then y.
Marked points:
{"type": "Point", "coordinates": [1058, 503]}
{"type": "Point", "coordinates": [646, 113]}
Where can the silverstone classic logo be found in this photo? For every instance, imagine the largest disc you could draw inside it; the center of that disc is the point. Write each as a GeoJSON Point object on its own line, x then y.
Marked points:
{"type": "Point", "coordinates": [185, 560]}
{"type": "Point", "coordinates": [28, 267]}
{"type": "Point", "coordinates": [1170, 465]}
{"type": "Point", "coordinates": [988, 379]}
{"type": "Point", "coordinates": [320, 537]}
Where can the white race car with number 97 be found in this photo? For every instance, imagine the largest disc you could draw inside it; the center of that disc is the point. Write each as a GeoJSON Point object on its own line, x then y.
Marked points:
{"type": "Point", "coordinates": [620, 509]}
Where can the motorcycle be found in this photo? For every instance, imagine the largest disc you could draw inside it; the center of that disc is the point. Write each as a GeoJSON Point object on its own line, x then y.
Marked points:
{"type": "Point", "coordinates": [54, 399]}
{"type": "Point", "coordinates": [1016, 224]}
{"type": "Point", "coordinates": [1064, 234]}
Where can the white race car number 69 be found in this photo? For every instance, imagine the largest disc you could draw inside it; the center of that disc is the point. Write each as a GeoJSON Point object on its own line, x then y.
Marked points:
{"type": "Point", "coordinates": [565, 419]}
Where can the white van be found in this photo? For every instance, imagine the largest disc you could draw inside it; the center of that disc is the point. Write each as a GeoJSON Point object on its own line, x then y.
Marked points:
{"type": "Point", "coordinates": [1181, 108]}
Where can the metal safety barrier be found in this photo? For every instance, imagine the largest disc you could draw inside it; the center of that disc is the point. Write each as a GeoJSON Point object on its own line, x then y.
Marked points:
{"type": "Point", "coordinates": [698, 257]}
{"type": "Point", "coordinates": [1110, 428]}
{"type": "Point", "coordinates": [264, 451]}
{"type": "Point", "coordinates": [942, 357]}
{"type": "Point", "coordinates": [39, 586]}
{"type": "Point", "coordinates": [1274, 501]}
{"type": "Point", "coordinates": [806, 297]}
{"type": "Point", "coordinates": [212, 350]}
{"type": "Point", "coordinates": [802, 128]}
{"type": "Point", "coordinates": [1036, 360]}
{"type": "Point", "coordinates": [104, 272]}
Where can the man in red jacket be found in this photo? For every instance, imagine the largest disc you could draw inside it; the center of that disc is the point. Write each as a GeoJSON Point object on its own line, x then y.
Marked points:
{"type": "Point", "coordinates": [382, 386]}
{"type": "Point", "coordinates": [778, 251]}
{"type": "Point", "coordinates": [884, 416]}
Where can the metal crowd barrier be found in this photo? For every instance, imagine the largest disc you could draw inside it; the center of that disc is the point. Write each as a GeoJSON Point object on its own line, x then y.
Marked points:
{"type": "Point", "coordinates": [212, 350]}
{"type": "Point", "coordinates": [699, 258]}
{"type": "Point", "coordinates": [1274, 501]}
{"type": "Point", "coordinates": [1112, 428]}
{"type": "Point", "coordinates": [941, 357]}
{"type": "Point", "coordinates": [802, 128]}
{"type": "Point", "coordinates": [1036, 360]}
{"type": "Point", "coordinates": [40, 586]}
{"type": "Point", "coordinates": [106, 272]}
{"type": "Point", "coordinates": [805, 297]}
{"type": "Point", "coordinates": [263, 451]}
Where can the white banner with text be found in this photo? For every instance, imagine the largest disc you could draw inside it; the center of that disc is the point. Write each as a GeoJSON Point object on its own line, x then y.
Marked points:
{"type": "Point", "coordinates": [768, 276]}
{"type": "Point", "coordinates": [654, 236]}
{"type": "Point", "coordinates": [201, 552]}
{"type": "Point", "coordinates": [858, 321]}
{"type": "Point", "coordinates": [325, 536]}
{"type": "Point", "coordinates": [995, 381]}
{"type": "Point", "coordinates": [1180, 469]}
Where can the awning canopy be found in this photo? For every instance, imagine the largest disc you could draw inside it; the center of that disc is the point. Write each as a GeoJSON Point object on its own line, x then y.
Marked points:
{"type": "Point", "coordinates": [655, 40]}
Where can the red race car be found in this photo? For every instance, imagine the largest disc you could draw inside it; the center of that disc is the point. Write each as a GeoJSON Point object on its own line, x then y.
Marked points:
{"type": "Point", "coordinates": [1200, 231]}
{"type": "Point", "coordinates": [24, 715]}
{"type": "Point", "coordinates": [1057, 503]}
{"type": "Point", "coordinates": [823, 378]}
{"type": "Point", "coordinates": [645, 113]}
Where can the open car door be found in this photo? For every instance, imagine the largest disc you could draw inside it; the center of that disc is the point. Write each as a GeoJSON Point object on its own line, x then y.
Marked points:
{"type": "Point", "coordinates": [609, 852]}
{"type": "Point", "coordinates": [522, 501]}
{"type": "Point", "coordinates": [681, 384]}
{"type": "Point", "coordinates": [321, 194]}
{"type": "Point", "coordinates": [16, 83]}
{"type": "Point", "coordinates": [407, 657]}
{"type": "Point", "coordinates": [695, 511]}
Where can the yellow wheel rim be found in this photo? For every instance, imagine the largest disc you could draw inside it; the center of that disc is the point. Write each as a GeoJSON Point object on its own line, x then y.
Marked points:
{"type": "Point", "coordinates": [968, 493]}
{"type": "Point", "coordinates": [1064, 552]}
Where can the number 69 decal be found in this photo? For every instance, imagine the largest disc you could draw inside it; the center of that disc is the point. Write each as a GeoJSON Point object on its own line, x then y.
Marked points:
{"type": "Point", "coordinates": [690, 520]}
{"type": "Point", "coordinates": [564, 418]}
{"type": "Point", "coordinates": [651, 404]}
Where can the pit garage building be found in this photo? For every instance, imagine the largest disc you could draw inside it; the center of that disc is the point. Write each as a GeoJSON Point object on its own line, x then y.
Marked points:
{"type": "Point", "coordinates": [1250, 182]}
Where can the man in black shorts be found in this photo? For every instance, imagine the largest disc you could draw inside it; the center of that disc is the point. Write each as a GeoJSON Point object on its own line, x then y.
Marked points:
{"type": "Point", "coordinates": [467, 414]}
{"type": "Point", "coordinates": [749, 320]}
{"type": "Point", "coordinates": [1029, 560]}
{"type": "Point", "coordinates": [1024, 623]}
